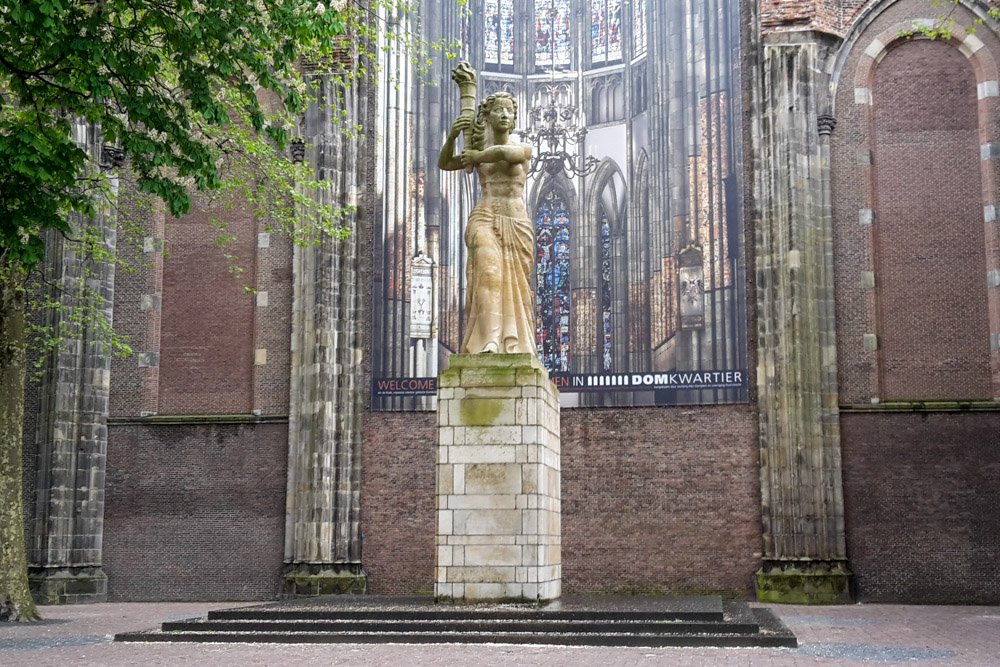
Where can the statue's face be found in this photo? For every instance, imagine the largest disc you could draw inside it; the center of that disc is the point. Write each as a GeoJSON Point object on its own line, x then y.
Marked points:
{"type": "Point", "coordinates": [502, 115]}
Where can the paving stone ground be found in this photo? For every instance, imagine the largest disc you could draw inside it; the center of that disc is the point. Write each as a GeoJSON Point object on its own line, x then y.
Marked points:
{"type": "Point", "coordinates": [828, 636]}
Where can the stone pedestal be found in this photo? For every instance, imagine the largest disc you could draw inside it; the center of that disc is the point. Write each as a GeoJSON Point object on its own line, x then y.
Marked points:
{"type": "Point", "coordinates": [498, 490]}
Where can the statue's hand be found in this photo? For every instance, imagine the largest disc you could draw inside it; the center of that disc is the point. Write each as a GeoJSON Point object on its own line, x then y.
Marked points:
{"type": "Point", "coordinates": [470, 157]}
{"type": "Point", "coordinates": [461, 124]}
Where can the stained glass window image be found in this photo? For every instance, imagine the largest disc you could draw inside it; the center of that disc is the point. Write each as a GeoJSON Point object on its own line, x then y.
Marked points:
{"type": "Point", "coordinates": [498, 19]}
{"type": "Point", "coordinates": [506, 32]}
{"type": "Point", "coordinates": [606, 289]}
{"type": "Point", "coordinates": [639, 25]}
{"type": "Point", "coordinates": [553, 35]}
{"type": "Point", "coordinates": [492, 31]}
{"type": "Point", "coordinates": [552, 306]}
{"type": "Point", "coordinates": [606, 31]}
{"type": "Point", "coordinates": [599, 30]}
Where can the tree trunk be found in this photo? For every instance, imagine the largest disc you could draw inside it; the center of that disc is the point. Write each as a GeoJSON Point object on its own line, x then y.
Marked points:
{"type": "Point", "coordinates": [15, 597]}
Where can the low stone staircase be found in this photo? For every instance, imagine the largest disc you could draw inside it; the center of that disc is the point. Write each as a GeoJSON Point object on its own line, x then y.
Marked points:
{"type": "Point", "coordinates": [574, 621]}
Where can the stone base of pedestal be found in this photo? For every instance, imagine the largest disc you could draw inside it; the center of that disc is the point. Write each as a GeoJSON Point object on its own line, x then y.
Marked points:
{"type": "Point", "coordinates": [311, 580]}
{"type": "Point", "coordinates": [68, 585]}
{"type": "Point", "coordinates": [804, 582]}
{"type": "Point", "coordinates": [498, 493]}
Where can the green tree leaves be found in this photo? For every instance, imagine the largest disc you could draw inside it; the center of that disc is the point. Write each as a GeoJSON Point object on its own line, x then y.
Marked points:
{"type": "Point", "coordinates": [175, 83]}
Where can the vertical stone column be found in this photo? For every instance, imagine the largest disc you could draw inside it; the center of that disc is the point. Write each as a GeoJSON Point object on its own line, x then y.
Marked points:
{"type": "Point", "coordinates": [499, 532]}
{"type": "Point", "coordinates": [322, 524]}
{"type": "Point", "coordinates": [803, 506]}
{"type": "Point", "coordinates": [66, 555]}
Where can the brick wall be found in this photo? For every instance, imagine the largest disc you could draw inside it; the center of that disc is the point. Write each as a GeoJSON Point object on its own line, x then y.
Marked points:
{"type": "Point", "coordinates": [136, 276]}
{"type": "Point", "coordinates": [920, 494]}
{"type": "Point", "coordinates": [933, 319]}
{"type": "Point", "coordinates": [206, 353]}
{"type": "Point", "coordinates": [273, 326]}
{"type": "Point", "coordinates": [195, 512]}
{"type": "Point", "coordinates": [834, 16]}
{"type": "Point", "coordinates": [397, 501]}
{"type": "Point", "coordinates": [654, 500]}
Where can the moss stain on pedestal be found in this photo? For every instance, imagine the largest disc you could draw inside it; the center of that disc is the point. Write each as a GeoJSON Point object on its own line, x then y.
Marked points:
{"type": "Point", "coordinates": [479, 411]}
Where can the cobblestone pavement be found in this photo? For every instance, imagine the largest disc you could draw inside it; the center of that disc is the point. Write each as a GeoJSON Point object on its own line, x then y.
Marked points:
{"type": "Point", "coordinates": [829, 636]}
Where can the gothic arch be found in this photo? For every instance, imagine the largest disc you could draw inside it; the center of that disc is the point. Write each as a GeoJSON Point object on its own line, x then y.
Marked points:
{"type": "Point", "coordinates": [871, 50]}
{"type": "Point", "coordinates": [875, 48]}
{"type": "Point", "coordinates": [607, 215]}
{"type": "Point", "coordinates": [554, 214]}
{"type": "Point", "coordinates": [639, 270]}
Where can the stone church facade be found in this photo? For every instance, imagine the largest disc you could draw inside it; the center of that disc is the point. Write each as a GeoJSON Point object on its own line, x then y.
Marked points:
{"type": "Point", "coordinates": [796, 194]}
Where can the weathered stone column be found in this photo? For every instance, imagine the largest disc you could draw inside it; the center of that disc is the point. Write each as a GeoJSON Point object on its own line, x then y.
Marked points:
{"type": "Point", "coordinates": [803, 507]}
{"type": "Point", "coordinates": [72, 437]}
{"type": "Point", "coordinates": [499, 534]}
{"type": "Point", "coordinates": [322, 525]}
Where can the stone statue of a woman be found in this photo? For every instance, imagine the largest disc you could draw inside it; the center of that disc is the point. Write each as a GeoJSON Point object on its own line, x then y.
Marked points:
{"type": "Point", "coordinates": [499, 237]}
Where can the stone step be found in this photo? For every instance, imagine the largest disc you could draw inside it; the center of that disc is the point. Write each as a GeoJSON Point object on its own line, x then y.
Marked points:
{"type": "Point", "coordinates": [448, 613]}
{"type": "Point", "coordinates": [708, 608]}
{"type": "Point", "coordinates": [552, 638]}
{"type": "Point", "coordinates": [462, 625]}
{"type": "Point", "coordinates": [574, 621]}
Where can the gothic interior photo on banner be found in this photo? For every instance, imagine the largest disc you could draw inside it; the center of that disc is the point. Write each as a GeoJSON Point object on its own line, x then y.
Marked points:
{"type": "Point", "coordinates": [633, 113]}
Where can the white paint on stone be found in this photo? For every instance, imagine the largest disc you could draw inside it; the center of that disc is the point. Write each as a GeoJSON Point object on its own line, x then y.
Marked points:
{"type": "Point", "coordinates": [970, 45]}
{"type": "Point", "coordinates": [988, 89]}
{"type": "Point", "coordinates": [874, 48]}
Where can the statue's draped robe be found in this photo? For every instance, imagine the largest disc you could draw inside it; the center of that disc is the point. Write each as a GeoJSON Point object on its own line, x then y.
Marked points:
{"type": "Point", "coordinates": [501, 248]}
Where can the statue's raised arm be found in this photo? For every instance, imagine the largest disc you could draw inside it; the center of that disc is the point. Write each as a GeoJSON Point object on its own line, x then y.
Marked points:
{"type": "Point", "coordinates": [499, 236]}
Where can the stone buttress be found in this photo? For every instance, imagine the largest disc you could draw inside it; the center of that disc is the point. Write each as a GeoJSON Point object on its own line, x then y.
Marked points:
{"type": "Point", "coordinates": [804, 556]}
{"type": "Point", "coordinates": [72, 435]}
{"type": "Point", "coordinates": [322, 526]}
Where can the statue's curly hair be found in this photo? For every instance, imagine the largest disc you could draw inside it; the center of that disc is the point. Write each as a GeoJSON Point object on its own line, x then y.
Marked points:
{"type": "Point", "coordinates": [485, 107]}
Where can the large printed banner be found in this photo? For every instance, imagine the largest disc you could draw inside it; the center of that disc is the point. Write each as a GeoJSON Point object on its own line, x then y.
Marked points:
{"type": "Point", "coordinates": [633, 113]}
{"type": "Point", "coordinates": [567, 382]}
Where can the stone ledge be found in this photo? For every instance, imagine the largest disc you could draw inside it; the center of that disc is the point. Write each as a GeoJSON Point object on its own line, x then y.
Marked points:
{"type": "Point", "coordinates": [312, 580]}
{"type": "Point", "coordinates": [68, 585]}
{"type": "Point", "coordinates": [925, 406]}
{"type": "Point", "coordinates": [804, 582]}
{"type": "Point", "coordinates": [493, 361]}
{"type": "Point", "coordinates": [182, 420]}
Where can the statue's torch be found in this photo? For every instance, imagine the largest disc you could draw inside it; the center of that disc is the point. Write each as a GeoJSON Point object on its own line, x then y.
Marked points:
{"type": "Point", "coordinates": [465, 77]}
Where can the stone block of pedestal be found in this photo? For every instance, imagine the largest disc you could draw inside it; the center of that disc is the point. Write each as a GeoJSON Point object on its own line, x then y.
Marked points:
{"type": "Point", "coordinates": [498, 489]}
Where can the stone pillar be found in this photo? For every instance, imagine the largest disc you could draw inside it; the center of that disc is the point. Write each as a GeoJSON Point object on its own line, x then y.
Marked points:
{"type": "Point", "coordinates": [72, 437]}
{"type": "Point", "coordinates": [499, 535]}
{"type": "Point", "coordinates": [805, 557]}
{"type": "Point", "coordinates": [322, 525]}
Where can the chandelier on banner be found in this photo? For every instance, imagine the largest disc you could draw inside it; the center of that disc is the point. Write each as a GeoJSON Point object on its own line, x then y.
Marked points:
{"type": "Point", "coordinates": [555, 126]}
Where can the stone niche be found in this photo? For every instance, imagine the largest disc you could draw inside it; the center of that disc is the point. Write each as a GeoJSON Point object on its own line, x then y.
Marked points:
{"type": "Point", "coordinates": [498, 488]}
